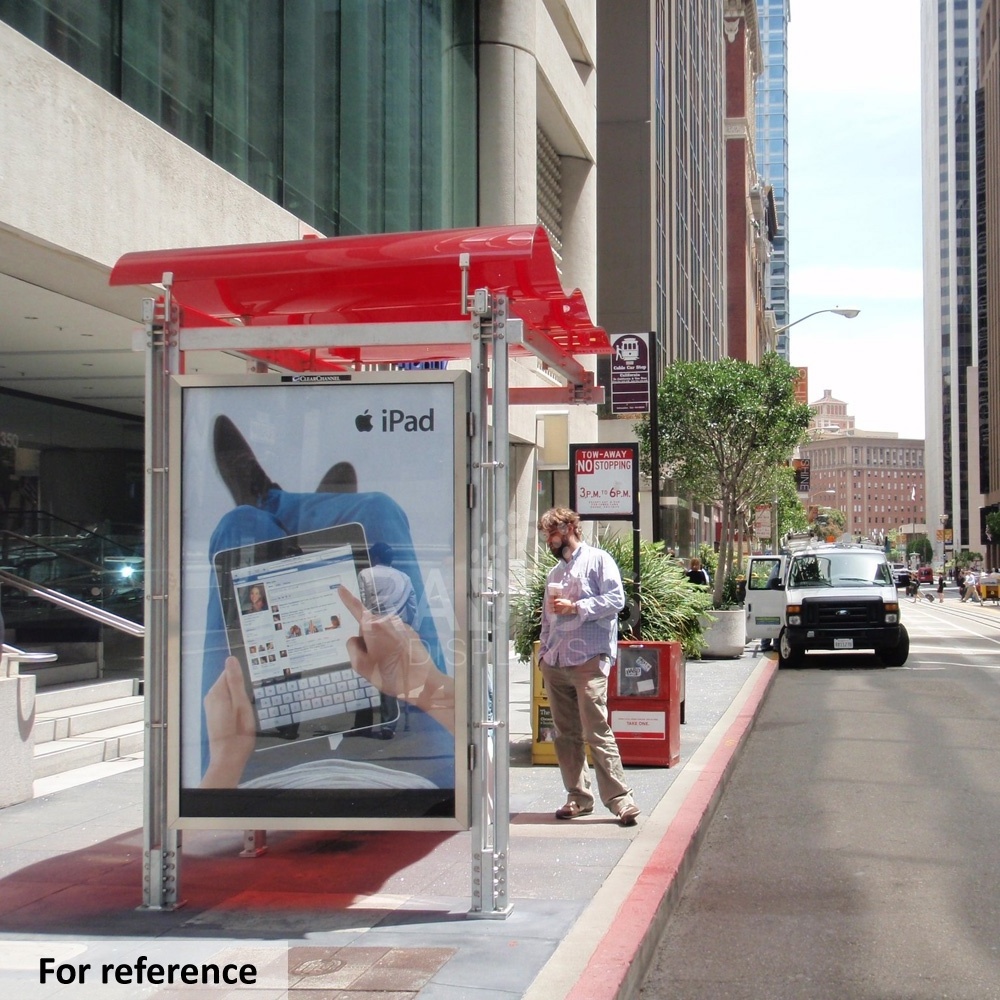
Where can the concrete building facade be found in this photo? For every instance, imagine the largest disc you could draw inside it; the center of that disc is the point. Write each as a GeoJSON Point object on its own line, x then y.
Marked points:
{"type": "Point", "coordinates": [684, 223]}
{"type": "Point", "coordinates": [749, 222]}
{"type": "Point", "coordinates": [143, 125]}
{"type": "Point", "coordinates": [988, 270]}
{"type": "Point", "coordinates": [662, 197]}
{"type": "Point", "coordinates": [661, 203]}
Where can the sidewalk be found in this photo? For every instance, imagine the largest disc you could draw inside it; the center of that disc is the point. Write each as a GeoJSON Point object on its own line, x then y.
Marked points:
{"type": "Point", "coordinates": [353, 915]}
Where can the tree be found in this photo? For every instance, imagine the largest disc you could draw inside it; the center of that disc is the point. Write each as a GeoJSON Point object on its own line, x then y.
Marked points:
{"type": "Point", "coordinates": [966, 558]}
{"type": "Point", "coordinates": [831, 522]}
{"type": "Point", "coordinates": [922, 546]}
{"type": "Point", "coordinates": [724, 427]}
{"type": "Point", "coordinates": [778, 484]}
{"type": "Point", "coordinates": [791, 514]}
{"type": "Point", "coordinates": [993, 526]}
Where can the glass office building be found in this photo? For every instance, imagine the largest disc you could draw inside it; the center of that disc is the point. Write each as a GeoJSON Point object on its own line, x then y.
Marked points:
{"type": "Point", "coordinates": [353, 115]}
{"type": "Point", "coordinates": [139, 124]}
{"type": "Point", "coordinates": [772, 149]}
{"type": "Point", "coordinates": [950, 351]}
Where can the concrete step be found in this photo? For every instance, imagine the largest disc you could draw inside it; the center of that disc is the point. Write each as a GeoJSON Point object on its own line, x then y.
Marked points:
{"type": "Point", "coordinates": [49, 674]}
{"type": "Point", "coordinates": [69, 695]}
{"type": "Point", "coordinates": [82, 724]}
{"type": "Point", "coordinates": [78, 720]}
{"type": "Point", "coordinates": [59, 756]}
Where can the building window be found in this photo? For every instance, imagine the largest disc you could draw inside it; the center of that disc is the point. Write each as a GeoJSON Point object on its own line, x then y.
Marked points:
{"type": "Point", "coordinates": [356, 117]}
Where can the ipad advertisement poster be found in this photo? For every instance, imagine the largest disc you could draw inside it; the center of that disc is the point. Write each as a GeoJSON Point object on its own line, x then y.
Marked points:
{"type": "Point", "coordinates": [319, 532]}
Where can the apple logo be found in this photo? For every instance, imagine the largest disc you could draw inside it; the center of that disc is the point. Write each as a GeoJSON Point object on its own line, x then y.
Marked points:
{"type": "Point", "coordinates": [363, 421]}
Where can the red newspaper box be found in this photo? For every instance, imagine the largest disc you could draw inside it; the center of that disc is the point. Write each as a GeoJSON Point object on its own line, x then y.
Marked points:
{"type": "Point", "coordinates": [644, 702]}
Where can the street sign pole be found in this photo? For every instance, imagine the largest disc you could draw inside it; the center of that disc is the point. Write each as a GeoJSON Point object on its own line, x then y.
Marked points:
{"type": "Point", "coordinates": [654, 437]}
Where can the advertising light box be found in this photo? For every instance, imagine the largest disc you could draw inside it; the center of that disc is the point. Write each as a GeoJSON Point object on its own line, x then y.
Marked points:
{"type": "Point", "coordinates": [318, 648]}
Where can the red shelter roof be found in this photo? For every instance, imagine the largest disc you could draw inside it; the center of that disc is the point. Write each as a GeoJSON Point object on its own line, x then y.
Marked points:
{"type": "Point", "coordinates": [384, 278]}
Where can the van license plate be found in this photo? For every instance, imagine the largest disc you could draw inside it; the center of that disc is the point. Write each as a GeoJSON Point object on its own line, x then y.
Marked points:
{"type": "Point", "coordinates": [843, 644]}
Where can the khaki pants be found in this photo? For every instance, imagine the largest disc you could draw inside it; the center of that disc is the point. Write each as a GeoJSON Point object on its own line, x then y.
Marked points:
{"type": "Point", "coordinates": [578, 697]}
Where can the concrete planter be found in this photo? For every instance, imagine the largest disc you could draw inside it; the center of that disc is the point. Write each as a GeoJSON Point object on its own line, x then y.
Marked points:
{"type": "Point", "coordinates": [726, 636]}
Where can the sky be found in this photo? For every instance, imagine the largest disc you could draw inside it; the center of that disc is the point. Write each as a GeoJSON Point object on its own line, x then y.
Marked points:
{"type": "Point", "coordinates": [854, 208]}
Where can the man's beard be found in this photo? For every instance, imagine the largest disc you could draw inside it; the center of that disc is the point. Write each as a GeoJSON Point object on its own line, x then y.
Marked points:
{"type": "Point", "coordinates": [558, 550]}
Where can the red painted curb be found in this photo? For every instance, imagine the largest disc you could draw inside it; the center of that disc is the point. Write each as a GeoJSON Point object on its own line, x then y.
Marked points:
{"type": "Point", "coordinates": [616, 954]}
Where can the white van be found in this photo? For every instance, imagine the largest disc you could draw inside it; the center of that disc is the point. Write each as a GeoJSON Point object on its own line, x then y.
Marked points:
{"type": "Point", "coordinates": [822, 596]}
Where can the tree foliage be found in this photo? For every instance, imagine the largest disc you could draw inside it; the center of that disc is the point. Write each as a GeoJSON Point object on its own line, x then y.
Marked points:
{"type": "Point", "coordinates": [780, 485]}
{"type": "Point", "coordinates": [965, 557]}
{"type": "Point", "coordinates": [724, 426]}
{"type": "Point", "coordinates": [672, 609]}
{"type": "Point", "coordinates": [993, 525]}
{"type": "Point", "coordinates": [921, 544]}
{"type": "Point", "coordinates": [831, 522]}
{"type": "Point", "coordinates": [792, 515]}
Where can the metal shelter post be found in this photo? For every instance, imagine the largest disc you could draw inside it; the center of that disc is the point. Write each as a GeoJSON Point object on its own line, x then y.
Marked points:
{"type": "Point", "coordinates": [161, 856]}
{"type": "Point", "coordinates": [489, 669]}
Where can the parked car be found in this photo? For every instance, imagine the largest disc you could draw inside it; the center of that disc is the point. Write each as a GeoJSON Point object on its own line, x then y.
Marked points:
{"type": "Point", "coordinates": [925, 574]}
{"type": "Point", "coordinates": [901, 574]}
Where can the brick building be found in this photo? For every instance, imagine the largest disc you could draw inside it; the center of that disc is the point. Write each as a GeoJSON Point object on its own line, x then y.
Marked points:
{"type": "Point", "coordinates": [875, 477]}
{"type": "Point", "coordinates": [751, 223]}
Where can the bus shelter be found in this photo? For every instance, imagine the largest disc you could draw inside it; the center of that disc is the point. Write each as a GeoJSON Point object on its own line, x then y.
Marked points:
{"type": "Point", "coordinates": [277, 696]}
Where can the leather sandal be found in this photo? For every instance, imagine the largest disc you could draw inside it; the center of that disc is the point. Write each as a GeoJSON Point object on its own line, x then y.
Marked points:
{"type": "Point", "coordinates": [628, 815]}
{"type": "Point", "coordinates": [573, 809]}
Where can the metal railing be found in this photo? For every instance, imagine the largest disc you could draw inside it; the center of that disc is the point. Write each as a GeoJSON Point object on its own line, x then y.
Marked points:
{"type": "Point", "coordinates": [99, 615]}
{"type": "Point", "coordinates": [11, 659]}
{"type": "Point", "coordinates": [34, 543]}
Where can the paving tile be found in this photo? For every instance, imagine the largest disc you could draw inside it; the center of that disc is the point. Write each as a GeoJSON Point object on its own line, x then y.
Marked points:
{"type": "Point", "coordinates": [403, 969]}
{"type": "Point", "coordinates": [329, 968]}
{"type": "Point", "coordinates": [309, 994]}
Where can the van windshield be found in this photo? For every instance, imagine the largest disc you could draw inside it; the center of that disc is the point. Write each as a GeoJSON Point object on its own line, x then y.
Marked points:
{"type": "Point", "coordinates": [850, 568]}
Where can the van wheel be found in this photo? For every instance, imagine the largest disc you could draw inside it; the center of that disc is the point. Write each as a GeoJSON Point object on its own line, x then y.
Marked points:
{"type": "Point", "coordinates": [895, 656]}
{"type": "Point", "coordinates": [788, 655]}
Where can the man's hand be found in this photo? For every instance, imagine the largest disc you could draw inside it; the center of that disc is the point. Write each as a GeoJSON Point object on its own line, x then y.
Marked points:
{"type": "Point", "coordinates": [232, 728]}
{"type": "Point", "coordinates": [390, 655]}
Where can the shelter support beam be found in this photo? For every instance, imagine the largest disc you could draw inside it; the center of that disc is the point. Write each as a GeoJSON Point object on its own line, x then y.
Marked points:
{"type": "Point", "coordinates": [489, 668]}
{"type": "Point", "coordinates": [161, 857]}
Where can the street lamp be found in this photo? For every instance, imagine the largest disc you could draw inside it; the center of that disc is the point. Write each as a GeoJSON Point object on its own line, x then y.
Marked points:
{"type": "Point", "coordinates": [846, 313]}
{"type": "Point", "coordinates": [819, 493]}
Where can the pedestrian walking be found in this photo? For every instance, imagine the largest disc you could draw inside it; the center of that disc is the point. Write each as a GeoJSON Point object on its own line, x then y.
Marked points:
{"type": "Point", "coordinates": [940, 588]}
{"type": "Point", "coordinates": [698, 574]}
